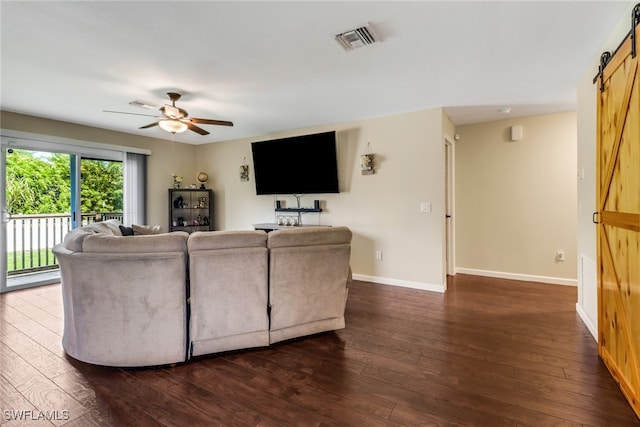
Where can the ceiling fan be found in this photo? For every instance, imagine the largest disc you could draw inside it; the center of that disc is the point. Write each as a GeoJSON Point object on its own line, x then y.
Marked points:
{"type": "Point", "coordinates": [174, 119]}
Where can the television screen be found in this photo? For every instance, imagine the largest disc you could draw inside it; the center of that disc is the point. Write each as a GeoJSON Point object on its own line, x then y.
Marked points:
{"type": "Point", "coordinates": [298, 165]}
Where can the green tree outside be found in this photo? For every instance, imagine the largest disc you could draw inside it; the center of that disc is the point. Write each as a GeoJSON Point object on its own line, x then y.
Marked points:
{"type": "Point", "coordinates": [41, 184]}
{"type": "Point", "coordinates": [102, 186]}
{"type": "Point", "coordinates": [37, 184]}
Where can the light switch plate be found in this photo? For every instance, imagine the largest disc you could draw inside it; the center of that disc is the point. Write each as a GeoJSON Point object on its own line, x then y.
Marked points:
{"type": "Point", "coordinates": [425, 207]}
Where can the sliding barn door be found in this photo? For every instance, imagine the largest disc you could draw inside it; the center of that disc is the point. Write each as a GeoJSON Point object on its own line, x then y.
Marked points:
{"type": "Point", "coordinates": [618, 217]}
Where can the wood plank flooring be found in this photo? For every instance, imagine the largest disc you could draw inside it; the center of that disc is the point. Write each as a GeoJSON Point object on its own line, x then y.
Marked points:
{"type": "Point", "coordinates": [489, 352]}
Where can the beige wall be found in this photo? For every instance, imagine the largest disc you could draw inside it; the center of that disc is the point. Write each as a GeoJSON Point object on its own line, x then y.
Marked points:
{"type": "Point", "coordinates": [166, 157]}
{"type": "Point", "coordinates": [516, 201]}
{"type": "Point", "coordinates": [381, 209]}
{"type": "Point", "coordinates": [587, 305]}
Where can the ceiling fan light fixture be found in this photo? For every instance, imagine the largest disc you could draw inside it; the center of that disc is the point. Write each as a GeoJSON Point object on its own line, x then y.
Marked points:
{"type": "Point", "coordinates": [172, 126]}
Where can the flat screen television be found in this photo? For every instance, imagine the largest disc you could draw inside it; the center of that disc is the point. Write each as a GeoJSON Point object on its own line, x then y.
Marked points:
{"type": "Point", "coordinates": [304, 164]}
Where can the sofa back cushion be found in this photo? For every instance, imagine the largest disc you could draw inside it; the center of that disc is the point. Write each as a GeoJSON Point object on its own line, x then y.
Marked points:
{"type": "Point", "coordinates": [207, 240]}
{"type": "Point", "coordinates": [155, 243]}
{"type": "Point", "coordinates": [309, 236]}
{"type": "Point", "coordinates": [74, 238]}
{"type": "Point", "coordinates": [145, 229]}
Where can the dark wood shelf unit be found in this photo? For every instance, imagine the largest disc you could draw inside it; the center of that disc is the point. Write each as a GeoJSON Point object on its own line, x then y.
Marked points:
{"type": "Point", "coordinates": [196, 216]}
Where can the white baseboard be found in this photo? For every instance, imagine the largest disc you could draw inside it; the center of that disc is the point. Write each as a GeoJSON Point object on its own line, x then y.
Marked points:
{"type": "Point", "coordinates": [516, 276]}
{"type": "Point", "coordinates": [585, 319]}
{"type": "Point", "coordinates": [403, 283]}
{"type": "Point", "coordinates": [587, 305]}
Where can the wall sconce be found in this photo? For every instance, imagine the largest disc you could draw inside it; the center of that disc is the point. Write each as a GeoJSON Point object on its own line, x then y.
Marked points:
{"type": "Point", "coordinates": [244, 170]}
{"type": "Point", "coordinates": [366, 162]}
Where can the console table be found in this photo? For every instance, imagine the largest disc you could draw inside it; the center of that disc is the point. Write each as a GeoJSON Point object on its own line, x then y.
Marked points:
{"type": "Point", "coordinates": [273, 226]}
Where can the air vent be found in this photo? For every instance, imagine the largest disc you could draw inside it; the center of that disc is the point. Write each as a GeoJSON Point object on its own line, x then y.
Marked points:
{"type": "Point", "coordinates": [354, 39]}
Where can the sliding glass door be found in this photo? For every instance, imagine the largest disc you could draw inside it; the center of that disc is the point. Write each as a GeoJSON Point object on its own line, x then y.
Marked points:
{"type": "Point", "coordinates": [38, 195]}
{"type": "Point", "coordinates": [101, 190]}
{"type": "Point", "coordinates": [46, 194]}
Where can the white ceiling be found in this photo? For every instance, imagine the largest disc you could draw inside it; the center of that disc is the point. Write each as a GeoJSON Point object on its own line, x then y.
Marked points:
{"type": "Point", "coordinates": [272, 66]}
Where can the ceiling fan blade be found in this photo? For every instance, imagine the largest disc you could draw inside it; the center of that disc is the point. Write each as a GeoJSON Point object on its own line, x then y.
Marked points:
{"type": "Point", "coordinates": [196, 128]}
{"type": "Point", "coordinates": [149, 125]}
{"type": "Point", "coordinates": [142, 104]}
{"type": "Point", "coordinates": [133, 114]}
{"type": "Point", "coordinates": [210, 122]}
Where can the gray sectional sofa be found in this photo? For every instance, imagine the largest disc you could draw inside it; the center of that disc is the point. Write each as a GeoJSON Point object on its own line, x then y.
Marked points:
{"type": "Point", "coordinates": [158, 299]}
{"type": "Point", "coordinates": [229, 281]}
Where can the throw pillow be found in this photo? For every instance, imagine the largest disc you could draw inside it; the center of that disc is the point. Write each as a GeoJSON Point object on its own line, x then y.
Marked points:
{"type": "Point", "coordinates": [126, 231]}
{"type": "Point", "coordinates": [146, 229]}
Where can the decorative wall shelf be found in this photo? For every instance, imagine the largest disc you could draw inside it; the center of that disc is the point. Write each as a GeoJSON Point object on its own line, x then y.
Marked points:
{"type": "Point", "coordinates": [298, 210]}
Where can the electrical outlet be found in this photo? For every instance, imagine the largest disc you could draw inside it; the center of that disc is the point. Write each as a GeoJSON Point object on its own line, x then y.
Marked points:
{"type": "Point", "coordinates": [379, 255]}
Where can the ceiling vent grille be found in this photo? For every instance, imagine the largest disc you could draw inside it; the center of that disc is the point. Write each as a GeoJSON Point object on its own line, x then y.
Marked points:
{"type": "Point", "coordinates": [354, 39]}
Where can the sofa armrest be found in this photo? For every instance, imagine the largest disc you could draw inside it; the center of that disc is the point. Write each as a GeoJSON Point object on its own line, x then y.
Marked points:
{"type": "Point", "coordinates": [124, 309]}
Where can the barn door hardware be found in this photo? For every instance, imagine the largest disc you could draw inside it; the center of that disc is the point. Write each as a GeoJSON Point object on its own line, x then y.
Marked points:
{"type": "Point", "coordinates": [606, 56]}
{"type": "Point", "coordinates": [635, 20]}
{"type": "Point", "coordinates": [604, 60]}
{"type": "Point", "coordinates": [594, 218]}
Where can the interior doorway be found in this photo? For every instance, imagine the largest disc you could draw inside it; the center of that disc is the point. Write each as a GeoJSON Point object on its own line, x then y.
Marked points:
{"type": "Point", "coordinates": [449, 199]}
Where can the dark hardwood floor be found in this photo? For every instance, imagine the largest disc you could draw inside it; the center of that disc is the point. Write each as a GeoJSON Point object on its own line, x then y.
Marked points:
{"type": "Point", "coordinates": [489, 352]}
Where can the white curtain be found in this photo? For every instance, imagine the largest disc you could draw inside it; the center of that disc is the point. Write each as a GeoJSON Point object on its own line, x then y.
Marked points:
{"type": "Point", "coordinates": [135, 189]}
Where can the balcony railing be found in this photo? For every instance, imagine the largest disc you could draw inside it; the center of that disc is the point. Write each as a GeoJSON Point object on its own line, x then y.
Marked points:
{"type": "Point", "coordinates": [31, 238]}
